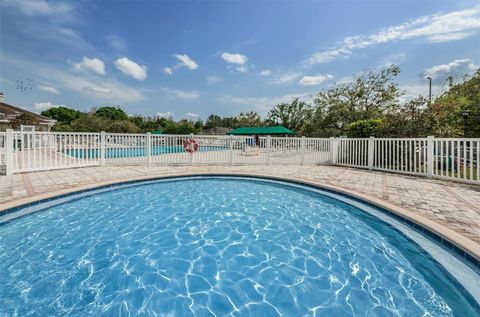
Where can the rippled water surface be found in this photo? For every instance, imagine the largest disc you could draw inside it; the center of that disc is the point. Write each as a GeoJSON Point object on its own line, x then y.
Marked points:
{"type": "Point", "coordinates": [216, 247]}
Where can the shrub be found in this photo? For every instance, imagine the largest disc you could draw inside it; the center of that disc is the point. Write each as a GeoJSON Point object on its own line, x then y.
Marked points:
{"type": "Point", "coordinates": [364, 128]}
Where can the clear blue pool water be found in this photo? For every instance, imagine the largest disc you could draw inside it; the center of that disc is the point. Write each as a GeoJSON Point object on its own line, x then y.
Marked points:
{"type": "Point", "coordinates": [135, 152]}
{"type": "Point", "coordinates": [217, 247]}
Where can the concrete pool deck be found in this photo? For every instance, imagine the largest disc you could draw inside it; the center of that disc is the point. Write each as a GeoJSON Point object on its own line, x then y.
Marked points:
{"type": "Point", "coordinates": [452, 210]}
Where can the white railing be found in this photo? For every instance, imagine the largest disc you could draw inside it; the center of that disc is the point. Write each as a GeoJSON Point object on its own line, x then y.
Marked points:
{"type": "Point", "coordinates": [353, 152]}
{"type": "Point", "coordinates": [36, 151]}
{"type": "Point", "coordinates": [455, 159]}
{"type": "Point", "coordinates": [408, 156]}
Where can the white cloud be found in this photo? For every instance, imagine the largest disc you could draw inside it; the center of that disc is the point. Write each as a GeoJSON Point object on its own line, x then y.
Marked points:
{"type": "Point", "coordinates": [167, 70]}
{"type": "Point", "coordinates": [46, 21]}
{"type": "Point", "coordinates": [111, 90]}
{"type": "Point", "coordinates": [242, 69]}
{"type": "Point", "coordinates": [94, 88]}
{"type": "Point", "coordinates": [314, 80]}
{"type": "Point", "coordinates": [458, 67]}
{"type": "Point", "coordinates": [116, 42]}
{"type": "Point", "coordinates": [41, 7]}
{"type": "Point", "coordinates": [191, 114]}
{"type": "Point", "coordinates": [286, 77]}
{"type": "Point", "coordinates": [181, 94]}
{"type": "Point", "coordinates": [50, 89]}
{"type": "Point", "coordinates": [166, 115]}
{"type": "Point", "coordinates": [186, 61]}
{"type": "Point", "coordinates": [93, 65]}
{"type": "Point", "coordinates": [213, 79]}
{"type": "Point", "coordinates": [394, 59]}
{"type": "Point", "coordinates": [41, 106]}
{"type": "Point", "coordinates": [451, 26]}
{"type": "Point", "coordinates": [266, 72]}
{"type": "Point", "coordinates": [327, 56]}
{"type": "Point", "coordinates": [130, 68]}
{"type": "Point", "coordinates": [54, 32]}
{"type": "Point", "coordinates": [235, 58]}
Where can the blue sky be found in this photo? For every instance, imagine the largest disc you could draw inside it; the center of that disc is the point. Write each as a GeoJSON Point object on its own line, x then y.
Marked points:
{"type": "Point", "coordinates": [191, 59]}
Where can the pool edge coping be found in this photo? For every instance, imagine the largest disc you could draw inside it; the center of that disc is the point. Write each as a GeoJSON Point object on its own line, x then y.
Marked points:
{"type": "Point", "coordinates": [463, 243]}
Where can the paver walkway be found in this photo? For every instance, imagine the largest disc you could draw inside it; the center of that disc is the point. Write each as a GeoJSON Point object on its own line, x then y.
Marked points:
{"type": "Point", "coordinates": [453, 205]}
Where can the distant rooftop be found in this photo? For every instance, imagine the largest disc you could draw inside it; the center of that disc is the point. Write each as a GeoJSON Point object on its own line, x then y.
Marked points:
{"type": "Point", "coordinates": [276, 130]}
{"type": "Point", "coordinates": [9, 111]}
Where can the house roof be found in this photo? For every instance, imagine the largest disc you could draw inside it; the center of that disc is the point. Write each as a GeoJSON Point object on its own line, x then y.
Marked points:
{"type": "Point", "coordinates": [261, 131]}
{"type": "Point", "coordinates": [10, 110]}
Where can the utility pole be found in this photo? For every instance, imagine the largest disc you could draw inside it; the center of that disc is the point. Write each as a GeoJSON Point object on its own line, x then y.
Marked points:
{"type": "Point", "coordinates": [429, 89]}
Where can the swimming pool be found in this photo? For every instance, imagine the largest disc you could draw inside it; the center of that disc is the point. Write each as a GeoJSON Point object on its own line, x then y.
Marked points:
{"type": "Point", "coordinates": [135, 151]}
{"type": "Point", "coordinates": [218, 246]}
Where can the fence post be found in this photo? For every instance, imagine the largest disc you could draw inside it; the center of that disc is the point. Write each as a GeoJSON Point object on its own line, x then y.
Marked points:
{"type": "Point", "coordinates": [334, 150]}
{"type": "Point", "coordinates": [269, 147]}
{"type": "Point", "coordinates": [302, 149]}
{"type": "Point", "coordinates": [191, 153]}
{"type": "Point", "coordinates": [9, 152]}
{"type": "Point", "coordinates": [148, 148]}
{"type": "Point", "coordinates": [430, 146]}
{"type": "Point", "coordinates": [103, 142]}
{"type": "Point", "coordinates": [230, 152]}
{"type": "Point", "coordinates": [371, 147]}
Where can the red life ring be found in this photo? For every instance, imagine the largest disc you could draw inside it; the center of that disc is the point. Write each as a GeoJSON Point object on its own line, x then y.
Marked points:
{"type": "Point", "coordinates": [190, 145]}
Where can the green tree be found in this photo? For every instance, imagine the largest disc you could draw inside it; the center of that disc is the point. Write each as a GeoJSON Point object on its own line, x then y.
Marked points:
{"type": "Point", "coordinates": [230, 122]}
{"type": "Point", "coordinates": [448, 108]}
{"type": "Point", "coordinates": [198, 125]}
{"type": "Point", "coordinates": [213, 121]}
{"type": "Point", "coordinates": [369, 96]}
{"type": "Point", "coordinates": [138, 121]}
{"type": "Point", "coordinates": [122, 126]}
{"type": "Point", "coordinates": [61, 114]}
{"type": "Point", "coordinates": [111, 113]}
{"type": "Point", "coordinates": [88, 123]}
{"type": "Point", "coordinates": [249, 119]}
{"type": "Point", "coordinates": [62, 127]}
{"type": "Point", "coordinates": [185, 127]}
{"type": "Point", "coordinates": [24, 119]}
{"type": "Point", "coordinates": [413, 119]}
{"type": "Point", "coordinates": [293, 116]}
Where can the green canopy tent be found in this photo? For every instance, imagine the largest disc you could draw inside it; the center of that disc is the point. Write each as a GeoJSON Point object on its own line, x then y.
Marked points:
{"type": "Point", "coordinates": [276, 130]}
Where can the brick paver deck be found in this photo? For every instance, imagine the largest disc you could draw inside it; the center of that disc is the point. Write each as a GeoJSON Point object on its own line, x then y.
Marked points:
{"type": "Point", "coordinates": [452, 205]}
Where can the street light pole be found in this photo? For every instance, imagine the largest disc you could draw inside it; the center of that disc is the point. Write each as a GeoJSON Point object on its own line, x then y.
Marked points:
{"type": "Point", "coordinates": [429, 89]}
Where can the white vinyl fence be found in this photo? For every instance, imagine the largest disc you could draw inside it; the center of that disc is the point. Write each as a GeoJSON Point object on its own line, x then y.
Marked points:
{"type": "Point", "coordinates": [456, 159]}
{"type": "Point", "coordinates": [35, 151]}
